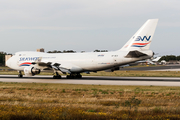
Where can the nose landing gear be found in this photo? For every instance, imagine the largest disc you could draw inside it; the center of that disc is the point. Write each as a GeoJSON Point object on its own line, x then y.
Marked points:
{"type": "Point", "coordinates": [20, 74]}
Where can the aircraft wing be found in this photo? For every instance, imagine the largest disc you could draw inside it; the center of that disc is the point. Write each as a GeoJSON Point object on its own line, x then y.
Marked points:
{"type": "Point", "coordinates": [51, 65]}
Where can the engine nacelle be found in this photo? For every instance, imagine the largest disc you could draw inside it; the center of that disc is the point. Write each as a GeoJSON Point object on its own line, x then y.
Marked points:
{"type": "Point", "coordinates": [31, 71]}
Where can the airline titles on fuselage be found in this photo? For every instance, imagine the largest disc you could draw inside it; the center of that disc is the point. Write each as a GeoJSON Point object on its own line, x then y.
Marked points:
{"type": "Point", "coordinates": [33, 58]}
{"type": "Point", "coordinates": [28, 58]}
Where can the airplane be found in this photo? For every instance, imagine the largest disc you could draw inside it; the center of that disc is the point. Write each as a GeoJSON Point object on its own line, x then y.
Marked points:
{"type": "Point", "coordinates": [156, 59]}
{"type": "Point", "coordinates": [73, 64]}
{"type": "Point", "coordinates": [151, 61]}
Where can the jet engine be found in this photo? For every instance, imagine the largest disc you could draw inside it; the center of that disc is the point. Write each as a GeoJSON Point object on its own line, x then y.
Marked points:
{"type": "Point", "coordinates": [31, 71]}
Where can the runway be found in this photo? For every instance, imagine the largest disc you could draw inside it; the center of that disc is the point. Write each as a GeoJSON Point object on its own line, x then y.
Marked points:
{"type": "Point", "coordinates": [97, 80]}
{"type": "Point", "coordinates": [173, 67]}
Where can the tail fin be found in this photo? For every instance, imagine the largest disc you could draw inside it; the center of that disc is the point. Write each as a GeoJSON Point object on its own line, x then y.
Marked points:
{"type": "Point", "coordinates": [141, 40]}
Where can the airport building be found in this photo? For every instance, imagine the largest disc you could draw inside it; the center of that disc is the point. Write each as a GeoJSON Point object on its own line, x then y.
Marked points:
{"type": "Point", "coordinates": [40, 50]}
{"type": "Point", "coordinates": [7, 57]}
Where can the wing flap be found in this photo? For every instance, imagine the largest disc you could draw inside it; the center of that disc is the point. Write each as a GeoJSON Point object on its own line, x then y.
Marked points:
{"type": "Point", "coordinates": [50, 65]}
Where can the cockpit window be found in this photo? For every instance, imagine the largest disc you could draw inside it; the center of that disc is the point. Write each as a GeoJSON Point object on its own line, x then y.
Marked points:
{"type": "Point", "coordinates": [22, 54]}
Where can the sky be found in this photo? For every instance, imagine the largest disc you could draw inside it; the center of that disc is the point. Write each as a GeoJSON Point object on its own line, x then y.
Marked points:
{"type": "Point", "coordinates": [86, 25]}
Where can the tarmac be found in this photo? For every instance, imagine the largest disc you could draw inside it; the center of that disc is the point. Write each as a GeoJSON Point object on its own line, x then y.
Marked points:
{"type": "Point", "coordinates": [105, 80]}
{"type": "Point", "coordinates": [97, 80]}
{"type": "Point", "coordinates": [174, 67]}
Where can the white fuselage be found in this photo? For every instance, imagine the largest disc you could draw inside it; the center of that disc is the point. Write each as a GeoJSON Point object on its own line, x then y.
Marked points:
{"type": "Point", "coordinates": [75, 62]}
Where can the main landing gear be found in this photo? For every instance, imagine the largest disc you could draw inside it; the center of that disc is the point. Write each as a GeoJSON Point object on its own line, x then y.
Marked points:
{"type": "Point", "coordinates": [20, 74]}
{"type": "Point", "coordinates": [57, 76]}
{"type": "Point", "coordinates": [71, 76]}
{"type": "Point", "coordinates": [74, 75]}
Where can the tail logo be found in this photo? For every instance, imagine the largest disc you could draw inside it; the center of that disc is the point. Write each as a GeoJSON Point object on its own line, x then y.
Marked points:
{"type": "Point", "coordinates": [139, 44]}
{"type": "Point", "coordinates": [139, 38]}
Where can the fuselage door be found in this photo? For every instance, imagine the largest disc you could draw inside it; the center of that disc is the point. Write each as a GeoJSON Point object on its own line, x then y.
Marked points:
{"type": "Point", "coordinates": [115, 58]}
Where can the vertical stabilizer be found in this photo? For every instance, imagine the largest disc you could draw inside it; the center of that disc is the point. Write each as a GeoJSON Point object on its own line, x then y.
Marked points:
{"type": "Point", "coordinates": [141, 40]}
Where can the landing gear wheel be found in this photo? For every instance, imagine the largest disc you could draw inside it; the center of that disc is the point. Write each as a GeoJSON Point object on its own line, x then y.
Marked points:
{"type": "Point", "coordinates": [73, 76]}
{"type": "Point", "coordinates": [70, 77]}
{"type": "Point", "coordinates": [78, 76]}
{"type": "Point", "coordinates": [57, 76]}
{"type": "Point", "coordinates": [20, 74]}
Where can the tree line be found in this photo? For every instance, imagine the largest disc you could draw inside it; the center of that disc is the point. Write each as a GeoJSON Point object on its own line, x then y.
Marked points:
{"type": "Point", "coordinates": [64, 51]}
{"type": "Point", "coordinates": [2, 58]}
{"type": "Point", "coordinates": [167, 58]}
{"type": "Point", "coordinates": [72, 51]}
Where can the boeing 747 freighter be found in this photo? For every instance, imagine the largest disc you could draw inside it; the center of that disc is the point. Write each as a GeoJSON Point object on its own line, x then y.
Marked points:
{"type": "Point", "coordinates": [72, 64]}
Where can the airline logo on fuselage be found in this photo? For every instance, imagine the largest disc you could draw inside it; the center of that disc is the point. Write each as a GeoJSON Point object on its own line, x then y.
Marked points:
{"type": "Point", "coordinates": [28, 58]}
{"type": "Point", "coordinates": [101, 55]}
{"type": "Point", "coordinates": [139, 38]}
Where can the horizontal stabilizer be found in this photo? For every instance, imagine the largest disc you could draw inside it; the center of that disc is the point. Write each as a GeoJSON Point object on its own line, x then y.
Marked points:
{"type": "Point", "coordinates": [135, 54]}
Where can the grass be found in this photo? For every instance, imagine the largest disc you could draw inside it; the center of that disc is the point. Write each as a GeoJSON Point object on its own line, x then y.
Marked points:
{"type": "Point", "coordinates": [136, 74]}
{"type": "Point", "coordinates": [65, 101]}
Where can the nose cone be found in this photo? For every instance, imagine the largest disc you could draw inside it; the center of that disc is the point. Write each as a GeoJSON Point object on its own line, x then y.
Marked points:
{"type": "Point", "coordinates": [12, 63]}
